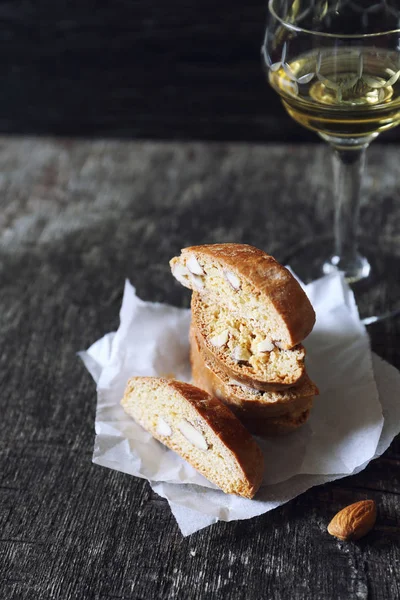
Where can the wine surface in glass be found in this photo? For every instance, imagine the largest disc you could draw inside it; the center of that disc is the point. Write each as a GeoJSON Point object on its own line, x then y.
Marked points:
{"type": "Point", "coordinates": [350, 92]}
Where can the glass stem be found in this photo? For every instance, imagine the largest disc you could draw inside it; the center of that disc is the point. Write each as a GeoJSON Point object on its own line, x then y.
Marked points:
{"type": "Point", "coordinates": [348, 165]}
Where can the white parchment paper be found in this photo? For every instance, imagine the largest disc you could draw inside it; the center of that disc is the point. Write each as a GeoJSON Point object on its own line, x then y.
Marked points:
{"type": "Point", "coordinates": [344, 433]}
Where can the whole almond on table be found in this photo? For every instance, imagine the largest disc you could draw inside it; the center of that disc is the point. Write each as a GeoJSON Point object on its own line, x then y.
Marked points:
{"type": "Point", "coordinates": [353, 521]}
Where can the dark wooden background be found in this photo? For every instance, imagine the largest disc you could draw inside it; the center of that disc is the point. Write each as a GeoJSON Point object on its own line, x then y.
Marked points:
{"type": "Point", "coordinates": [134, 68]}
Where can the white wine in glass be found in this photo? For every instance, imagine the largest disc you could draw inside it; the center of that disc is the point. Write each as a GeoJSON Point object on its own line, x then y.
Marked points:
{"type": "Point", "coordinates": [353, 92]}
{"type": "Point", "coordinates": [336, 67]}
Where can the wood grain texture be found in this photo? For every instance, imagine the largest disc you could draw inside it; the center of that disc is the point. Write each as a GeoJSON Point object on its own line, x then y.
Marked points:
{"type": "Point", "coordinates": [128, 68]}
{"type": "Point", "coordinates": [76, 219]}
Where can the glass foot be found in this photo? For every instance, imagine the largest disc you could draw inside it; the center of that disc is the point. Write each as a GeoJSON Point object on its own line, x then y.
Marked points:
{"type": "Point", "coordinates": [360, 268]}
{"type": "Point", "coordinates": [375, 282]}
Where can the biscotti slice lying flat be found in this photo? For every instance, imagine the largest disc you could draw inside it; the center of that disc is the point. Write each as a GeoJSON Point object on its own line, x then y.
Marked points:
{"type": "Point", "coordinates": [252, 285]}
{"type": "Point", "coordinates": [242, 350]}
{"type": "Point", "coordinates": [244, 401]}
{"type": "Point", "coordinates": [200, 428]}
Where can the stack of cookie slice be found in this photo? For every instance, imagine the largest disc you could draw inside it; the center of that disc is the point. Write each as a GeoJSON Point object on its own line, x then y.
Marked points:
{"type": "Point", "coordinates": [249, 317]}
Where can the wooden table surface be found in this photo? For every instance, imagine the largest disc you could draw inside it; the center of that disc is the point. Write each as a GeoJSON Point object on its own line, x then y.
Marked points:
{"type": "Point", "coordinates": [76, 219]}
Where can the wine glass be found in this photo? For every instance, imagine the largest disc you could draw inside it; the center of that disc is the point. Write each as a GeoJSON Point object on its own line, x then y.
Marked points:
{"type": "Point", "coordinates": [336, 66]}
